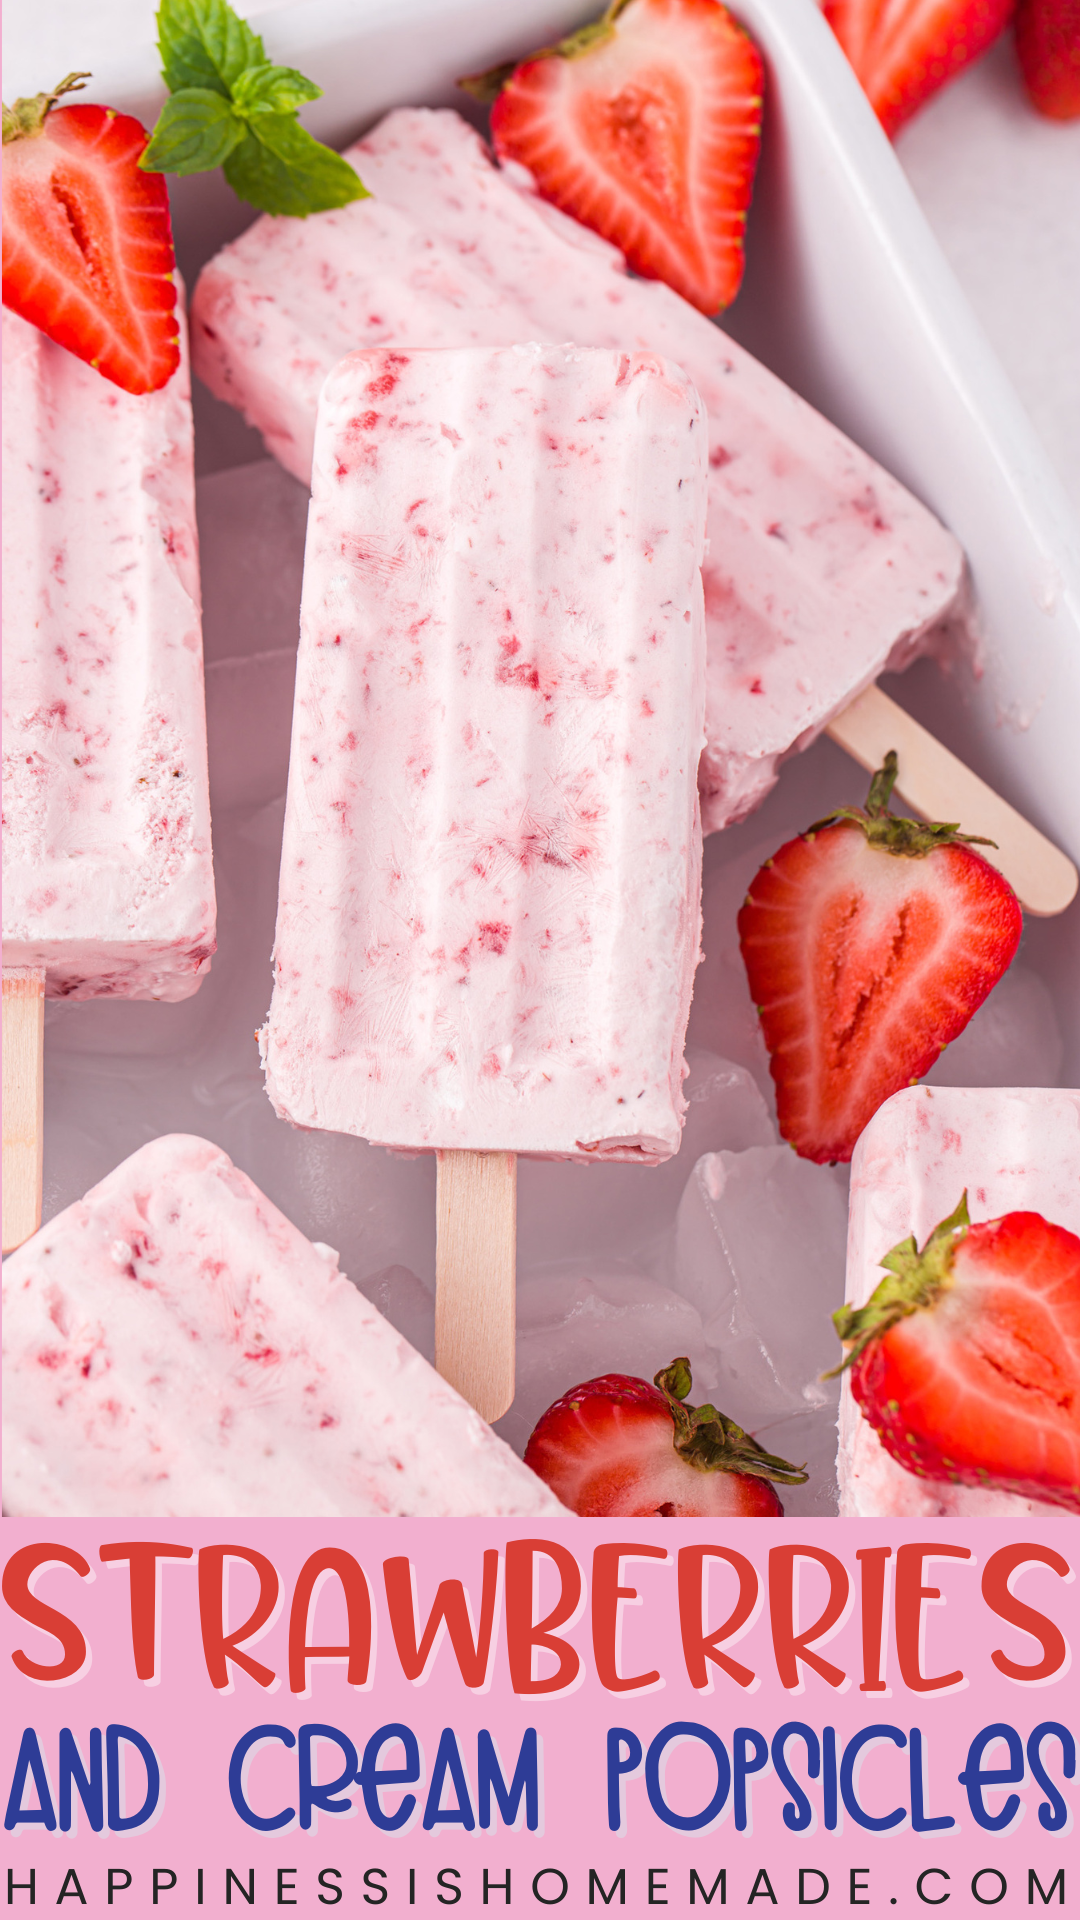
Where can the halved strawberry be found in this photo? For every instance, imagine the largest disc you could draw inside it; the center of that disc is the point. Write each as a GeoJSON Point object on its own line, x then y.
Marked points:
{"type": "Point", "coordinates": [615, 1445]}
{"type": "Point", "coordinates": [644, 126]}
{"type": "Point", "coordinates": [88, 254]}
{"type": "Point", "coordinates": [869, 942]}
{"type": "Point", "coordinates": [904, 50]}
{"type": "Point", "coordinates": [1048, 47]}
{"type": "Point", "coordinates": [967, 1358]}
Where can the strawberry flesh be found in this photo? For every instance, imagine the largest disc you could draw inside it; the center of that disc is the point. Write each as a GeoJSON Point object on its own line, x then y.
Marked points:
{"type": "Point", "coordinates": [904, 50]}
{"type": "Point", "coordinates": [608, 1447]}
{"type": "Point", "coordinates": [87, 249]}
{"type": "Point", "coordinates": [1048, 48]}
{"type": "Point", "coordinates": [650, 136]}
{"type": "Point", "coordinates": [863, 964]}
{"type": "Point", "coordinates": [981, 1387]}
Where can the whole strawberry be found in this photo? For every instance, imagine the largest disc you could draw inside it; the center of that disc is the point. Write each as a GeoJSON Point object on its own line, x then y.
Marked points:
{"type": "Point", "coordinates": [966, 1360]}
{"type": "Point", "coordinates": [869, 942]}
{"type": "Point", "coordinates": [902, 53]}
{"type": "Point", "coordinates": [1048, 48]}
{"type": "Point", "coordinates": [88, 255]}
{"type": "Point", "coordinates": [644, 126]}
{"type": "Point", "coordinates": [615, 1445]}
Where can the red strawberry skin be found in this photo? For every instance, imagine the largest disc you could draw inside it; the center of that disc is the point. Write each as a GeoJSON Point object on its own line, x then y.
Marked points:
{"type": "Point", "coordinates": [606, 1448]}
{"type": "Point", "coordinates": [904, 50]}
{"type": "Point", "coordinates": [1048, 48]}
{"type": "Point", "coordinates": [88, 255]}
{"type": "Point", "coordinates": [651, 138]}
{"type": "Point", "coordinates": [863, 965]}
{"type": "Point", "coordinates": [983, 1387]}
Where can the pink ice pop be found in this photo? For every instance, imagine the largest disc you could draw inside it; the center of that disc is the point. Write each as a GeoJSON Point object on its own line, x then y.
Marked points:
{"type": "Point", "coordinates": [173, 1345]}
{"type": "Point", "coordinates": [821, 570]}
{"type": "Point", "coordinates": [489, 905]}
{"type": "Point", "coordinates": [108, 882]}
{"type": "Point", "coordinates": [489, 910]}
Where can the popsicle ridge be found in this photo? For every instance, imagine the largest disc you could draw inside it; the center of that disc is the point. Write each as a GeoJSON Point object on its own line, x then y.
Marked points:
{"type": "Point", "coordinates": [488, 915]}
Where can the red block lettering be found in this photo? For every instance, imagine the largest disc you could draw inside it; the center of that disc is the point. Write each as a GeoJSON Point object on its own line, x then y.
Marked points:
{"type": "Point", "coordinates": [788, 1646]}
{"type": "Point", "coordinates": [143, 1557]}
{"type": "Point", "coordinates": [1001, 1600]}
{"type": "Point", "coordinates": [20, 1570]}
{"type": "Point", "coordinates": [523, 1634]}
{"type": "Point", "coordinates": [218, 1647]}
{"type": "Point", "coordinates": [450, 1613]}
{"type": "Point", "coordinates": [698, 1647]}
{"type": "Point", "coordinates": [330, 1560]}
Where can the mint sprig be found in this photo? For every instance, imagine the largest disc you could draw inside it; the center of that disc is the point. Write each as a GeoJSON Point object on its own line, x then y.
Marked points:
{"type": "Point", "coordinates": [231, 107]}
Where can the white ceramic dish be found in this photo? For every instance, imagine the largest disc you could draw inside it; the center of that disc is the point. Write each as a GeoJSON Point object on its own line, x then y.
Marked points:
{"type": "Point", "coordinates": [848, 297]}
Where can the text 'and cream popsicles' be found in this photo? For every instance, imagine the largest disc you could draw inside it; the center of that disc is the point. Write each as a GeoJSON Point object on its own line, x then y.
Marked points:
{"type": "Point", "coordinates": [821, 571]}
{"type": "Point", "coordinates": [173, 1345]}
{"type": "Point", "coordinates": [108, 881]}
{"type": "Point", "coordinates": [489, 906]}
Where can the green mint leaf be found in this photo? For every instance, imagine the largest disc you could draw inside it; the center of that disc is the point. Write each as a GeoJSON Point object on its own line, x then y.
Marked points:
{"type": "Point", "coordinates": [203, 43]}
{"type": "Point", "coordinates": [232, 107]}
{"type": "Point", "coordinates": [196, 131]}
{"type": "Point", "coordinates": [281, 168]}
{"type": "Point", "coordinates": [270, 89]}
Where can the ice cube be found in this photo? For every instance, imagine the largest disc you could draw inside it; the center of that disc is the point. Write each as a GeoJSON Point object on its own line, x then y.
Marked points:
{"type": "Point", "coordinates": [252, 524]}
{"type": "Point", "coordinates": [723, 1017]}
{"type": "Point", "coordinates": [760, 1252]}
{"type": "Point", "coordinates": [575, 1322]}
{"type": "Point", "coordinates": [808, 1440]}
{"type": "Point", "coordinates": [404, 1300]}
{"type": "Point", "coordinates": [565, 1210]}
{"type": "Point", "coordinates": [1013, 1041]}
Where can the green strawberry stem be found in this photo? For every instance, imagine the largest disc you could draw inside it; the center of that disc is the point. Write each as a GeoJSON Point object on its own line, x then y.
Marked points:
{"type": "Point", "coordinates": [708, 1440]}
{"type": "Point", "coordinates": [26, 119]}
{"type": "Point", "coordinates": [487, 86]}
{"type": "Point", "coordinates": [915, 1280]}
{"type": "Point", "coordinates": [892, 832]}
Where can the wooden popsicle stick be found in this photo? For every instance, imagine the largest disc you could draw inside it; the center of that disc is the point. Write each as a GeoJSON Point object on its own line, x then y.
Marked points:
{"type": "Point", "coordinates": [475, 1273]}
{"type": "Point", "coordinates": [24, 1063]}
{"type": "Point", "coordinates": [941, 787]}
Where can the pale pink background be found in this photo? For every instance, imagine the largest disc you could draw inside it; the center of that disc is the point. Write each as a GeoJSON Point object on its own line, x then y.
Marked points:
{"type": "Point", "coordinates": [193, 1729]}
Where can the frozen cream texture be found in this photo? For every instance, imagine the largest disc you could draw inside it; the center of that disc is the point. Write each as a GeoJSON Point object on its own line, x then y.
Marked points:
{"type": "Point", "coordinates": [174, 1346]}
{"type": "Point", "coordinates": [821, 570]}
{"type": "Point", "coordinates": [108, 881]}
{"type": "Point", "coordinates": [1013, 1149]}
{"type": "Point", "coordinates": [489, 908]}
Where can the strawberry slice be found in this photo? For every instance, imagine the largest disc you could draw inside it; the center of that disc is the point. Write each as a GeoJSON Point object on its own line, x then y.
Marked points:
{"type": "Point", "coordinates": [966, 1359]}
{"type": "Point", "coordinates": [644, 126]}
{"type": "Point", "coordinates": [88, 255]}
{"type": "Point", "coordinates": [1048, 48]}
{"type": "Point", "coordinates": [904, 50]}
{"type": "Point", "coordinates": [615, 1445]}
{"type": "Point", "coordinates": [869, 942]}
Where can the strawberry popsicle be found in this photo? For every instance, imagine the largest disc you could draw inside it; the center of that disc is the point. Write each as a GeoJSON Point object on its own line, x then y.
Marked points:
{"type": "Point", "coordinates": [108, 882]}
{"type": "Point", "coordinates": [488, 917]}
{"type": "Point", "coordinates": [173, 1345]}
{"type": "Point", "coordinates": [1015, 1151]}
{"type": "Point", "coordinates": [821, 570]}
{"type": "Point", "coordinates": [489, 906]}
